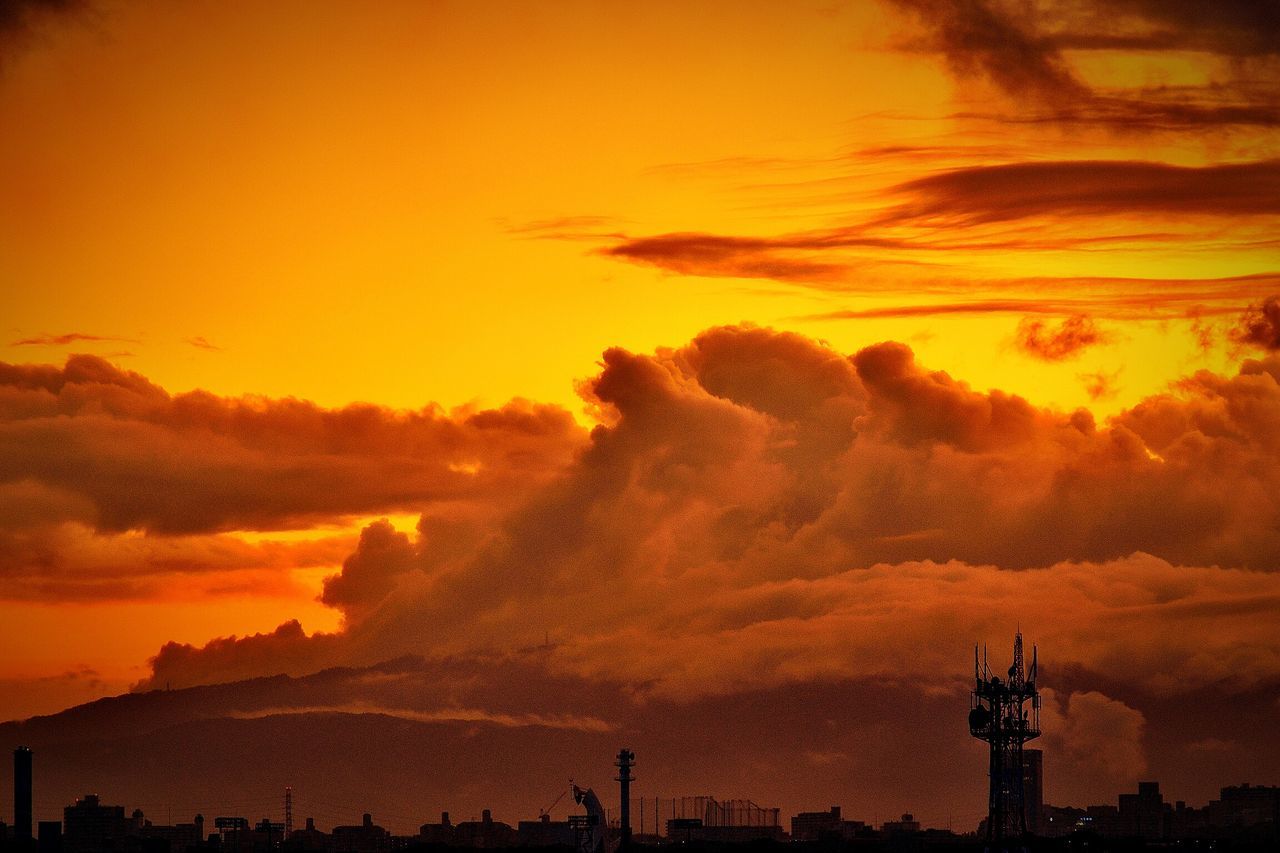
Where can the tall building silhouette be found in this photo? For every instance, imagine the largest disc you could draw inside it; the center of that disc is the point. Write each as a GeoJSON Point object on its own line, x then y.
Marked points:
{"type": "Point", "coordinates": [1033, 789]}
{"type": "Point", "coordinates": [22, 793]}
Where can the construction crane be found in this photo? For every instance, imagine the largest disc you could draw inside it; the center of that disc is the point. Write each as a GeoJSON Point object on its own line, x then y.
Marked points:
{"type": "Point", "coordinates": [556, 801]}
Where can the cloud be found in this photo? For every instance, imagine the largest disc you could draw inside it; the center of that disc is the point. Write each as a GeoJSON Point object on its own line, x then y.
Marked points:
{"type": "Point", "coordinates": [1151, 110]}
{"type": "Point", "coordinates": [20, 17]}
{"type": "Point", "coordinates": [369, 573]}
{"type": "Point", "coordinates": [1074, 188]}
{"type": "Point", "coordinates": [1073, 335]}
{"type": "Point", "coordinates": [200, 342]}
{"type": "Point", "coordinates": [1099, 297]}
{"type": "Point", "coordinates": [978, 37]}
{"type": "Point", "coordinates": [1100, 385]}
{"type": "Point", "coordinates": [1231, 28]}
{"type": "Point", "coordinates": [1029, 207]}
{"type": "Point", "coordinates": [796, 257]}
{"type": "Point", "coordinates": [1092, 743]}
{"type": "Point", "coordinates": [70, 562]}
{"type": "Point", "coordinates": [65, 340]}
{"type": "Point", "coordinates": [556, 721]}
{"type": "Point", "coordinates": [122, 454]}
{"type": "Point", "coordinates": [581, 227]}
{"type": "Point", "coordinates": [740, 257]}
{"type": "Point", "coordinates": [1022, 49]}
{"type": "Point", "coordinates": [758, 510]}
{"type": "Point", "coordinates": [1260, 326]}
{"type": "Point", "coordinates": [1137, 306]}
{"type": "Point", "coordinates": [286, 649]}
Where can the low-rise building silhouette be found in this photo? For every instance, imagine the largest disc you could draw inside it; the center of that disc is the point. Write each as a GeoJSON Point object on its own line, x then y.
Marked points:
{"type": "Point", "coordinates": [365, 837]}
{"type": "Point", "coordinates": [908, 825]}
{"type": "Point", "coordinates": [825, 826]}
{"type": "Point", "coordinates": [485, 832]}
{"type": "Point", "coordinates": [1240, 806]}
{"type": "Point", "coordinates": [544, 832]}
{"type": "Point", "coordinates": [437, 833]}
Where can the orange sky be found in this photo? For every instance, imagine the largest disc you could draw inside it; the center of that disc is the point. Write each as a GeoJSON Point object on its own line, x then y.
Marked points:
{"type": "Point", "coordinates": [440, 208]}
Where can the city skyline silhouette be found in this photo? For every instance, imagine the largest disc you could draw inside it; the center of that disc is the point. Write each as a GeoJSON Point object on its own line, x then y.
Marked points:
{"type": "Point", "coordinates": [1018, 817]}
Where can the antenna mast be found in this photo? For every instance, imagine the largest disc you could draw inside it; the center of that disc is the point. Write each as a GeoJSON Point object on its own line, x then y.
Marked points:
{"type": "Point", "coordinates": [999, 714]}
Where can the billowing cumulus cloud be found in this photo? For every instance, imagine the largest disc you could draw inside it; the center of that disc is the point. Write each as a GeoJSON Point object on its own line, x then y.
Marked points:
{"type": "Point", "coordinates": [369, 573]}
{"type": "Point", "coordinates": [112, 488]}
{"type": "Point", "coordinates": [1095, 743]}
{"type": "Point", "coordinates": [758, 510]}
{"type": "Point", "coordinates": [122, 454]}
{"type": "Point", "coordinates": [287, 648]}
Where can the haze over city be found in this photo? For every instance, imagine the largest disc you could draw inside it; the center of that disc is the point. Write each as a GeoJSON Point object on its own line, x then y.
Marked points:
{"type": "Point", "coordinates": [416, 390]}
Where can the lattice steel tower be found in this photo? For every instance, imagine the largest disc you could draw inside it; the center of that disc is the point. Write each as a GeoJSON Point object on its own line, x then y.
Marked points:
{"type": "Point", "coordinates": [1000, 715]}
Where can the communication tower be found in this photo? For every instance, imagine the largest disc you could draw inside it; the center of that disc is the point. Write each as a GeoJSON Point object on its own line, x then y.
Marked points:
{"type": "Point", "coordinates": [1005, 714]}
{"type": "Point", "coordinates": [626, 760]}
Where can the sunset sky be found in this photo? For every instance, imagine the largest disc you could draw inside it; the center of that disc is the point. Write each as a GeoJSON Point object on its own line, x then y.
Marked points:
{"type": "Point", "coordinates": [716, 346]}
